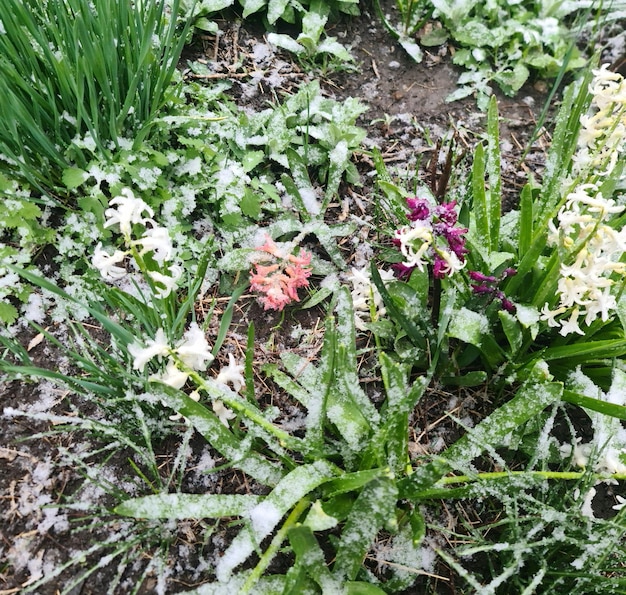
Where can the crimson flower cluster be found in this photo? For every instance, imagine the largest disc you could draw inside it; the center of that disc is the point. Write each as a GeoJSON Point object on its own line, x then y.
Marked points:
{"type": "Point", "coordinates": [432, 237]}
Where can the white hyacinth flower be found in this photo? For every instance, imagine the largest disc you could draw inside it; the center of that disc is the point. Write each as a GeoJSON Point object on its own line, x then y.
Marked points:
{"type": "Point", "coordinates": [194, 351]}
{"type": "Point", "coordinates": [223, 413]}
{"type": "Point", "coordinates": [169, 283]}
{"type": "Point", "coordinates": [232, 374]}
{"type": "Point", "coordinates": [408, 236]}
{"type": "Point", "coordinates": [156, 240]}
{"type": "Point", "coordinates": [107, 263]}
{"type": "Point", "coordinates": [129, 211]}
{"type": "Point", "coordinates": [173, 375]}
{"type": "Point", "coordinates": [156, 347]}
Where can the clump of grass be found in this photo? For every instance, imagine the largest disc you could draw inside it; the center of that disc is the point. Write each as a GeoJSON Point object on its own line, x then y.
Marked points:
{"type": "Point", "coordinates": [80, 77]}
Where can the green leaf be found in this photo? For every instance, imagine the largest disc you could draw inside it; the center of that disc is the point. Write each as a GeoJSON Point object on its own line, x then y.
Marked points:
{"type": "Point", "coordinates": [469, 326]}
{"type": "Point", "coordinates": [268, 513]}
{"type": "Point", "coordinates": [604, 407]}
{"type": "Point", "coordinates": [580, 353]}
{"type": "Point", "coordinates": [275, 10]}
{"type": "Point", "coordinates": [512, 330]}
{"type": "Point", "coordinates": [525, 221]}
{"type": "Point", "coordinates": [361, 588]}
{"type": "Point", "coordinates": [373, 509]}
{"type": "Point", "coordinates": [251, 6]}
{"type": "Point", "coordinates": [531, 399]}
{"type": "Point", "coordinates": [8, 313]}
{"type": "Point", "coordinates": [480, 208]}
{"type": "Point", "coordinates": [411, 48]}
{"type": "Point", "coordinates": [188, 506]}
{"type": "Point", "coordinates": [310, 556]}
{"type": "Point", "coordinates": [494, 174]}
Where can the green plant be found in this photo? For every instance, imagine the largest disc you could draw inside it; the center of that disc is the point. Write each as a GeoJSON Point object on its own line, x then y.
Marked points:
{"type": "Point", "coordinates": [79, 78]}
{"type": "Point", "coordinates": [309, 45]}
{"type": "Point", "coordinates": [497, 42]}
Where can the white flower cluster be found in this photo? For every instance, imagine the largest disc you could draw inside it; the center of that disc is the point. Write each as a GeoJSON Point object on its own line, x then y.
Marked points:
{"type": "Point", "coordinates": [127, 211]}
{"type": "Point", "coordinates": [191, 353]}
{"type": "Point", "coordinates": [602, 138]}
{"type": "Point", "coordinates": [583, 229]}
{"type": "Point", "coordinates": [606, 452]}
{"type": "Point", "coordinates": [366, 300]}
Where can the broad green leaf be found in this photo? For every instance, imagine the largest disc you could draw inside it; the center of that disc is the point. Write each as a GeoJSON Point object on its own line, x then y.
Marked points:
{"type": "Point", "coordinates": [275, 10]}
{"type": "Point", "coordinates": [251, 6]}
{"type": "Point", "coordinates": [188, 506]}
{"type": "Point", "coordinates": [411, 48]}
{"type": "Point", "coordinates": [285, 42]}
{"type": "Point", "coordinates": [525, 221]}
{"type": "Point", "coordinates": [469, 326]}
{"type": "Point", "coordinates": [221, 438]}
{"type": "Point", "coordinates": [531, 399]}
{"type": "Point", "coordinates": [604, 407]}
{"type": "Point", "coordinates": [397, 313]}
{"type": "Point", "coordinates": [266, 515]}
{"type": "Point", "coordinates": [331, 46]}
{"type": "Point", "coordinates": [512, 330]}
{"type": "Point", "coordinates": [480, 209]}
{"type": "Point", "coordinates": [583, 352]}
{"type": "Point", "coordinates": [8, 313]}
{"type": "Point", "coordinates": [311, 557]}
{"type": "Point", "coordinates": [373, 509]}
{"type": "Point", "coordinates": [494, 174]}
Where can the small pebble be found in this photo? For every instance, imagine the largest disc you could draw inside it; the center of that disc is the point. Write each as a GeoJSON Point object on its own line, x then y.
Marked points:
{"type": "Point", "coordinates": [394, 65]}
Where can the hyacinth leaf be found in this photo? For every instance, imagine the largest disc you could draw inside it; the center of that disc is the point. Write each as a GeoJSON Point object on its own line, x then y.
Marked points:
{"type": "Point", "coordinates": [581, 353]}
{"type": "Point", "coordinates": [525, 221]}
{"type": "Point", "coordinates": [361, 588]}
{"type": "Point", "coordinates": [227, 317]}
{"type": "Point", "coordinates": [473, 328]}
{"type": "Point", "coordinates": [512, 329]}
{"type": "Point", "coordinates": [351, 482]}
{"type": "Point", "coordinates": [392, 437]}
{"type": "Point", "coordinates": [188, 506]}
{"type": "Point", "coordinates": [564, 139]}
{"type": "Point", "coordinates": [264, 517]}
{"type": "Point", "coordinates": [122, 335]}
{"type": "Point", "coordinates": [480, 209]}
{"type": "Point", "coordinates": [604, 407]}
{"type": "Point", "coordinates": [301, 184]}
{"type": "Point", "coordinates": [475, 378]}
{"type": "Point", "coordinates": [494, 174]}
{"type": "Point", "coordinates": [621, 310]}
{"type": "Point", "coordinates": [346, 358]}
{"type": "Point", "coordinates": [219, 437]}
{"type": "Point", "coordinates": [397, 312]}
{"type": "Point", "coordinates": [310, 559]}
{"type": "Point", "coordinates": [339, 159]}
{"type": "Point", "coordinates": [373, 509]}
{"type": "Point", "coordinates": [531, 399]}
